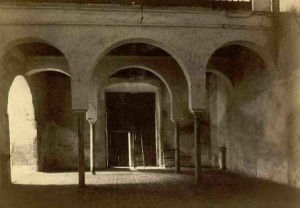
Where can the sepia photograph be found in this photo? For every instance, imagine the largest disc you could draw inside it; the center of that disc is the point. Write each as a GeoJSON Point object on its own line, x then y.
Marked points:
{"type": "Point", "coordinates": [150, 103]}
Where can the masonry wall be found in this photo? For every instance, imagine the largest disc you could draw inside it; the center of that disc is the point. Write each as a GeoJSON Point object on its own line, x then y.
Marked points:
{"type": "Point", "coordinates": [163, 28]}
{"type": "Point", "coordinates": [186, 133]}
{"type": "Point", "coordinates": [56, 129]}
{"type": "Point", "coordinates": [218, 101]}
{"type": "Point", "coordinates": [289, 69]}
{"type": "Point", "coordinates": [255, 129]}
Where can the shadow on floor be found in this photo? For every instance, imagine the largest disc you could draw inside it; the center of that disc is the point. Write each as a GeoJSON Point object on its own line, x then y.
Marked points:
{"type": "Point", "coordinates": [153, 188]}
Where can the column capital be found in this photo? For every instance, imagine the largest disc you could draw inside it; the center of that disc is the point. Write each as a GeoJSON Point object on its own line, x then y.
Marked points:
{"type": "Point", "coordinates": [91, 120]}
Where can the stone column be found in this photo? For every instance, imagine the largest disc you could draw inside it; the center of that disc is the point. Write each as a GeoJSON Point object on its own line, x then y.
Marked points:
{"type": "Point", "coordinates": [92, 148]}
{"type": "Point", "coordinates": [5, 172]}
{"type": "Point", "coordinates": [80, 115]}
{"type": "Point", "coordinates": [177, 147]}
{"type": "Point", "coordinates": [197, 142]}
{"type": "Point", "coordinates": [39, 161]}
{"type": "Point", "coordinates": [276, 6]}
{"type": "Point", "coordinates": [131, 149]}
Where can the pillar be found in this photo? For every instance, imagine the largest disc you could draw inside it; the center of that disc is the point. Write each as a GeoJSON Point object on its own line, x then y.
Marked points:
{"type": "Point", "coordinates": [222, 158]}
{"type": "Point", "coordinates": [39, 163]}
{"type": "Point", "coordinates": [131, 150]}
{"type": "Point", "coordinates": [276, 6]}
{"type": "Point", "coordinates": [92, 148]}
{"type": "Point", "coordinates": [276, 12]}
{"type": "Point", "coordinates": [5, 172]}
{"type": "Point", "coordinates": [177, 147]}
{"type": "Point", "coordinates": [197, 143]}
{"type": "Point", "coordinates": [106, 141]}
{"type": "Point", "coordinates": [80, 116]}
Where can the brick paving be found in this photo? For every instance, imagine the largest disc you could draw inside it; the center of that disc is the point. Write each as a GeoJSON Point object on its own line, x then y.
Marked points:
{"type": "Point", "coordinates": [146, 188]}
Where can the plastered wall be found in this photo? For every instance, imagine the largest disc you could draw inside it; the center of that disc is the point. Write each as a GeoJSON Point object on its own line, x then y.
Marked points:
{"type": "Point", "coordinates": [289, 65]}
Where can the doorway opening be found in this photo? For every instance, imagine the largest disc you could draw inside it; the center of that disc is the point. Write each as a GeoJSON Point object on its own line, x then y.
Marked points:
{"type": "Point", "coordinates": [22, 129]}
{"type": "Point", "coordinates": [131, 129]}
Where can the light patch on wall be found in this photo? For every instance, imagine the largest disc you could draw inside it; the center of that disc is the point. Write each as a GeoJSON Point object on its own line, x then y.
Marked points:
{"type": "Point", "coordinates": [289, 5]}
{"type": "Point", "coordinates": [21, 113]}
{"type": "Point", "coordinates": [22, 129]}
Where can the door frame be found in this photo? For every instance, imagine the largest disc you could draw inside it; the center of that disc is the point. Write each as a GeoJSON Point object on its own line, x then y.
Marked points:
{"type": "Point", "coordinates": [158, 129]}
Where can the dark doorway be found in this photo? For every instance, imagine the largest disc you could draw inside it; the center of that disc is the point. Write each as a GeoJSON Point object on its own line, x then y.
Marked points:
{"type": "Point", "coordinates": [131, 115]}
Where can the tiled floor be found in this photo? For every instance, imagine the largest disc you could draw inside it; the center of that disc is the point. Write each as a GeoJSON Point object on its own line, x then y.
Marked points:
{"type": "Point", "coordinates": [146, 188]}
